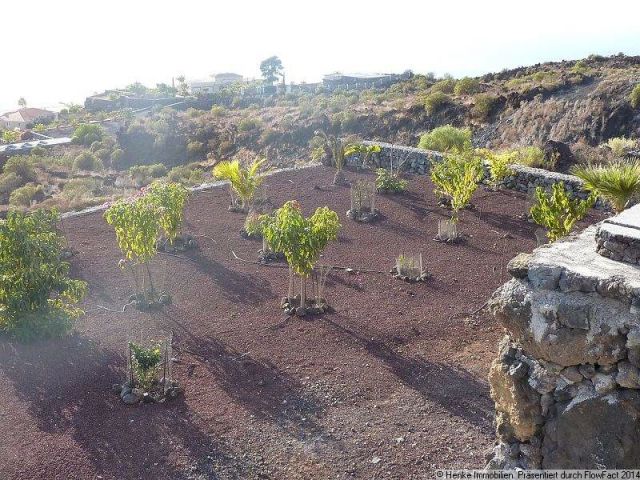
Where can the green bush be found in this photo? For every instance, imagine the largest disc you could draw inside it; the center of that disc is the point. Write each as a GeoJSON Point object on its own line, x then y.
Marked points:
{"type": "Point", "coordinates": [557, 212]}
{"type": "Point", "coordinates": [389, 182]}
{"type": "Point", "coordinates": [103, 154]}
{"type": "Point", "coordinates": [620, 146]}
{"type": "Point", "coordinates": [38, 152]}
{"type": "Point", "coordinates": [87, 162]}
{"type": "Point", "coordinates": [22, 166]}
{"type": "Point", "coordinates": [144, 174]}
{"type": "Point", "coordinates": [467, 86]}
{"type": "Point", "coordinates": [86, 134]}
{"type": "Point", "coordinates": [23, 196]}
{"type": "Point", "coordinates": [81, 189]}
{"type": "Point", "coordinates": [444, 86]}
{"type": "Point", "coordinates": [534, 157]}
{"type": "Point", "coordinates": [249, 124]}
{"type": "Point", "coordinates": [435, 101]}
{"type": "Point", "coordinates": [218, 111]}
{"type": "Point", "coordinates": [186, 175]}
{"type": "Point", "coordinates": [254, 224]}
{"type": "Point", "coordinates": [195, 149]}
{"type": "Point", "coordinates": [618, 182]}
{"type": "Point", "coordinates": [483, 104]}
{"type": "Point", "coordinates": [9, 182]}
{"type": "Point", "coordinates": [634, 97]}
{"type": "Point", "coordinates": [116, 159]}
{"type": "Point", "coordinates": [456, 178]}
{"type": "Point", "coordinates": [446, 138]}
{"type": "Point", "coordinates": [37, 297]}
{"type": "Point", "coordinates": [145, 362]}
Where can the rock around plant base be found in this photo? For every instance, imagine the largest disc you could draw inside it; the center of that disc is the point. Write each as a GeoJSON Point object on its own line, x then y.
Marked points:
{"type": "Point", "coordinates": [423, 277]}
{"type": "Point", "coordinates": [291, 306]}
{"type": "Point", "coordinates": [144, 303]}
{"type": "Point", "coordinates": [181, 243]}
{"type": "Point", "coordinates": [134, 396]}
{"type": "Point", "coordinates": [363, 216]}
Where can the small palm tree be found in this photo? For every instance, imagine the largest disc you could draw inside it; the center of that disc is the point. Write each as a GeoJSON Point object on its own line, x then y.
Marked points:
{"type": "Point", "coordinates": [244, 180]}
{"type": "Point", "coordinates": [618, 183]}
{"type": "Point", "coordinates": [335, 148]}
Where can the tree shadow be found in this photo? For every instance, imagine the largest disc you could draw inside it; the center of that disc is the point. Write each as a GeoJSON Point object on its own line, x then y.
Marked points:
{"type": "Point", "coordinates": [507, 224]}
{"type": "Point", "coordinates": [453, 388]}
{"type": "Point", "coordinates": [66, 385]}
{"type": "Point", "coordinates": [259, 387]}
{"type": "Point", "coordinates": [237, 287]}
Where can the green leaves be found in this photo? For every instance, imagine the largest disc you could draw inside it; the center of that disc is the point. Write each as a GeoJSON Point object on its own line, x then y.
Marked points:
{"type": "Point", "coordinates": [557, 212]}
{"type": "Point", "coordinates": [244, 181]}
{"type": "Point", "coordinates": [389, 182]}
{"type": "Point", "coordinates": [618, 183]}
{"type": "Point", "coordinates": [301, 239]}
{"type": "Point", "coordinates": [138, 221]}
{"type": "Point", "coordinates": [37, 297]}
{"type": "Point", "coordinates": [457, 177]}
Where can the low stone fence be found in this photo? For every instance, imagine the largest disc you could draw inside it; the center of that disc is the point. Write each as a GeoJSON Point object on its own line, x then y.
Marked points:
{"type": "Point", "coordinates": [408, 159]}
{"type": "Point", "coordinates": [419, 161]}
{"type": "Point", "coordinates": [566, 383]}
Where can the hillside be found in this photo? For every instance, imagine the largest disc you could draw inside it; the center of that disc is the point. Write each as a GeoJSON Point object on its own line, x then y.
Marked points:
{"type": "Point", "coordinates": [570, 107]}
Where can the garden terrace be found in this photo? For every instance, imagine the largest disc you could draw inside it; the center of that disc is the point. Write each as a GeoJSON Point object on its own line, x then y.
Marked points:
{"type": "Point", "coordinates": [389, 385]}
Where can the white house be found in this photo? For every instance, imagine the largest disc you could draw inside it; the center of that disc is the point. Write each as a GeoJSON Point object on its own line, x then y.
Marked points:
{"type": "Point", "coordinates": [211, 86]}
{"type": "Point", "coordinates": [25, 117]}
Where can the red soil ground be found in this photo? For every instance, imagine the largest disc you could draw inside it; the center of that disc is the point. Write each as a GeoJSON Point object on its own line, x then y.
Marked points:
{"type": "Point", "coordinates": [390, 385]}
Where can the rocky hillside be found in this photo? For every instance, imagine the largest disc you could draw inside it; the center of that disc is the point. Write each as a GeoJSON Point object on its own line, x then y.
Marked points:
{"type": "Point", "coordinates": [584, 102]}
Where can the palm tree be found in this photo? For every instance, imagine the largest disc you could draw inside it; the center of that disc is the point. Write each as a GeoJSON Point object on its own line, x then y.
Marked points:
{"type": "Point", "coordinates": [335, 147]}
{"type": "Point", "coordinates": [618, 182]}
{"type": "Point", "coordinates": [244, 180]}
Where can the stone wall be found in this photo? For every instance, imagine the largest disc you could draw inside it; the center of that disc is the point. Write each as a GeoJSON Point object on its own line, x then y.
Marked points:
{"type": "Point", "coordinates": [411, 160]}
{"type": "Point", "coordinates": [566, 383]}
{"type": "Point", "coordinates": [419, 161]}
{"type": "Point", "coordinates": [618, 238]}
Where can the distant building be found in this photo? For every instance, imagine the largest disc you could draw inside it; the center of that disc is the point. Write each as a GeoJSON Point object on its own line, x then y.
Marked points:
{"type": "Point", "coordinates": [359, 81]}
{"type": "Point", "coordinates": [22, 148]}
{"type": "Point", "coordinates": [25, 118]}
{"type": "Point", "coordinates": [111, 100]}
{"type": "Point", "coordinates": [220, 80]}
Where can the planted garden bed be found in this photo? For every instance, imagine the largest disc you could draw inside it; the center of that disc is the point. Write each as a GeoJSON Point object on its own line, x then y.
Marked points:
{"type": "Point", "coordinates": [388, 384]}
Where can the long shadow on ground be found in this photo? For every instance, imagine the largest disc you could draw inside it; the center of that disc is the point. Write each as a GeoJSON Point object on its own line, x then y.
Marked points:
{"type": "Point", "coordinates": [452, 388]}
{"type": "Point", "coordinates": [66, 386]}
{"type": "Point", "coordinates": [259, 387]}
{"type": "Point", "coordinates": [237, 287]}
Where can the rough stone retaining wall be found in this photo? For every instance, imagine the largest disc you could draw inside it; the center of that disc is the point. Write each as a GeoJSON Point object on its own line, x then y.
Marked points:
{"type": "Point", "coordinates": [618, 238]}
{"type": "Point", "coordinates": [566, 383]}
{"type": "Point", "coordinates": [419, 161]}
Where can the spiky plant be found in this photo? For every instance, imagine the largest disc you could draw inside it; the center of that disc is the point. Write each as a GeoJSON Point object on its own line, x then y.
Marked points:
{"type": "Point", "coordinates": [244, 180]}
{"type": "Point", "coordinates": [335, 147]}
{"type": "Point", "coordinates": [618, 182]}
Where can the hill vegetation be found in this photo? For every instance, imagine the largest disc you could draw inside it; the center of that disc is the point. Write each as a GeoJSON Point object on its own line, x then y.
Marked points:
{"type": "Point", "coordinates": [554, 114]}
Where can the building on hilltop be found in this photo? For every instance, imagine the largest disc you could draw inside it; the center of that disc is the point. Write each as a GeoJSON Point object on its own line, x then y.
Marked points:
{"type": "Point", "coordinates": [361, 81]}
{"type": "Point", "coordinates": [25, 118]}
{"type": "Point", "coordinates": [220, 80]}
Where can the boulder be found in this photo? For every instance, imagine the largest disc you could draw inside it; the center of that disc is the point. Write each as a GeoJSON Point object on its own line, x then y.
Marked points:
{"type": "Point", "coordinates": [517, 404]}
{"type": "Point", "coordinates": [518, 266]}
{"type": "Point", "coordinates": [628, 375]}
{"type": "Point", "coordinates": [567, 328]}
{"type": "Point", "coordinates": [593, 432]}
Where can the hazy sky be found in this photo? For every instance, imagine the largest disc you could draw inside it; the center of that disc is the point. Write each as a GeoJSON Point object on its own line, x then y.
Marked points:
{"type": "Point", "coordinates": [63, 50]}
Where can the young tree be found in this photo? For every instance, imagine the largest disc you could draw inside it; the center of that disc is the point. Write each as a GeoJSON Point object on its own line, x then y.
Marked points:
{"type": "Point", "coordinates": [244, 180]}
{"type": "Point", "coordinates": [271, 69]}
{"type": "Point", "coordinates": [300, 239]}
{"type": "Point", "coordinates": [557, 212]}
{"type": "Point", "coordinates": [138, 223]}
{"type": "Point", "coordinates": [456, 178]}
{"type": "Point", "coordinates": [37, 297]}
{"type": "Point", "coordinates": [22, 103]}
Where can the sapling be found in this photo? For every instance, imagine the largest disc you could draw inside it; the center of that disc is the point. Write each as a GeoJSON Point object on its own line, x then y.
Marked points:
{"type": "Point", "coordinates": [557, 212]}
{"type": "Point", "coordinates": [301, 240]}
{"type": "Point", "coordinates": [244, 181]}
{"type": "Point", "coordinates": [456, 178]}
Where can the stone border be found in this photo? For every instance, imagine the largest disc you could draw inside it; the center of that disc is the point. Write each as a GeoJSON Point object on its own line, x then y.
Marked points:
{"type": "Point", "coordinates": [198, 188]}
{"type": "Point", "coordinates": [524, 179]}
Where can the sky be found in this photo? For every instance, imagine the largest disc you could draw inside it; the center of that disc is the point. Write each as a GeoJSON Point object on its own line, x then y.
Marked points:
{"type": "Point", "coordinates": [64, 50]}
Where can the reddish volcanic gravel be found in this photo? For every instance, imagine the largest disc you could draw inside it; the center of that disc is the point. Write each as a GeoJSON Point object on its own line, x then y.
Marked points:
{"type": "Point", "coordinates": [391, 385]}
